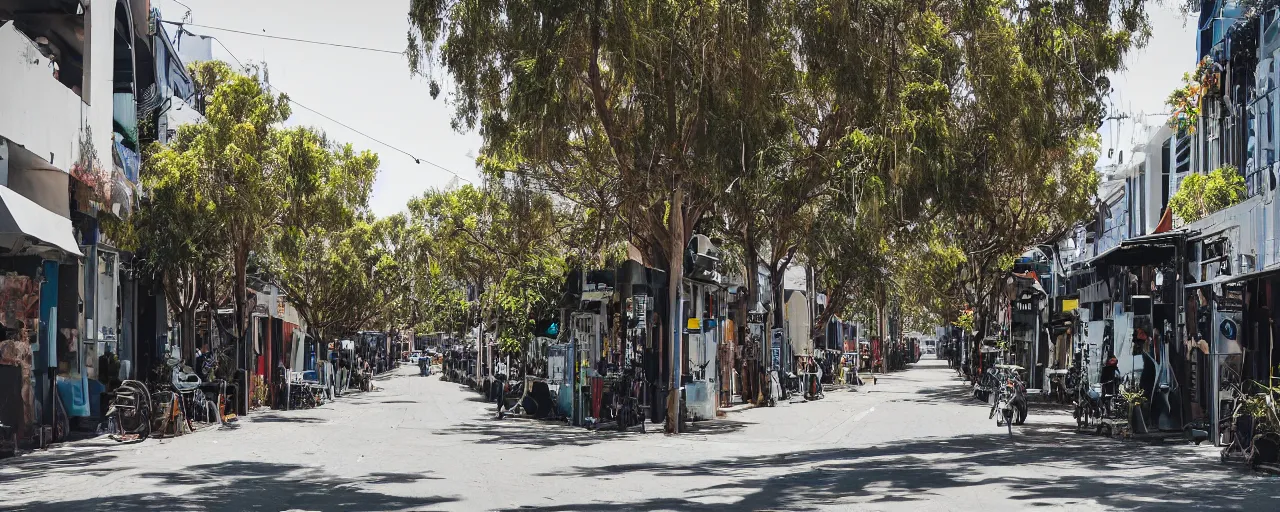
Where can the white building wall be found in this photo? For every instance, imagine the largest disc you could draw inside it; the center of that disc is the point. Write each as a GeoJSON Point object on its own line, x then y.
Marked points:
{"type": "Point", "coordinates": [796, 314]}
{"type": "Point", "coordinates": [44, 116]}
{"type": "Point", "coordinates": [1157, 156]}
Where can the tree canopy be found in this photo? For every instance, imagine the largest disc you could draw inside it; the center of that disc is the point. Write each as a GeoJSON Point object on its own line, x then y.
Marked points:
{"type": "Point", "coordinates": [858, 131]}
{"type": "Point", "coordinates": [668, 114]}
{"type": "Point", "coordinates": [241, 190]}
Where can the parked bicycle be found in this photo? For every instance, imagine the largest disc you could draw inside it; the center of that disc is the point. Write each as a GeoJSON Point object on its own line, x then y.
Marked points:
{"type": "Point", "coordinates": [1010, 404]}
{"type": "Point", "coordinates": [131, 411]}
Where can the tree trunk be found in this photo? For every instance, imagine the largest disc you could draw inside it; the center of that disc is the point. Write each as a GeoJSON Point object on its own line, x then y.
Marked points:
{"type": "Point", "coordinates": [776, 282]}
{"type": "Point", "coordinates": [675, 280]}
{"type": "Point", "coordinates": [753, 298]}
{"type": "Point", "coordinates": [241, 262]}
{"type": "Point", "coordinates": [187, 324]}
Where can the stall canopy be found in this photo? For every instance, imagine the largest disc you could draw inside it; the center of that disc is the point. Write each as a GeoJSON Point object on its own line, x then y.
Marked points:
{"type": "Point", "coordinates": [23, 219]}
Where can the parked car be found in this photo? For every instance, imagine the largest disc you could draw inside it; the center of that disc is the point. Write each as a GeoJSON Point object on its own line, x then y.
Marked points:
{"type": "Point", "coordinates": [414, 356]}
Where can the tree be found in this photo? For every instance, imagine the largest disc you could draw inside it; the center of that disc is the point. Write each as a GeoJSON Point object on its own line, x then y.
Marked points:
{"type": "Point", "coordinates": [506, 242]}
{"type": "Point", "coordinates": [628, 89]}
{"type": "Point", "coordinates": [319, 248]}
{"type": "Point", "coordinates": [211, 189]}
{"type": "Point", "coordinates": [913, 111]}
{"type": "Point", "coordinates": [241, 169]}
{"type": "Point", "coordinates": [172, 230]}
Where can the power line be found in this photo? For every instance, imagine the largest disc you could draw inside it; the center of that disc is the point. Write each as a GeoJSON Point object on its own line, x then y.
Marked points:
{"type": "Point", "coordinates": [296, 40]}
{"type": "Point", "coordinates": [416, 159]}
{"type": "Point", "coordinates": [370, 137]}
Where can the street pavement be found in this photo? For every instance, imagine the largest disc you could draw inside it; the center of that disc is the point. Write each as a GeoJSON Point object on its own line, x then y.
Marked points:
{"type": "Point", "coordinates": [912, 442]}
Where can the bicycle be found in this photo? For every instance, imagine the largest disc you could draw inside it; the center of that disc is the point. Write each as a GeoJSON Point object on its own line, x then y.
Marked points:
{"type": "Point", "coordinates": [1003, 404]}
{"type": "Point", "coordinates": [627, 407]}
{"type": "Point", "coordinates": [131, 410]}
{"type": "Point", "coordinates": [1236, 427]}
{"type": "Point", "coordinates": [1009, 400]}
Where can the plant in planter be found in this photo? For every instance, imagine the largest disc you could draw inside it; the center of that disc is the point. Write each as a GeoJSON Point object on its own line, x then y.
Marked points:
{"type": "Point", "coordinates": [1133, 398]}
{"type": "Point", "coordinates": [1266, 424]}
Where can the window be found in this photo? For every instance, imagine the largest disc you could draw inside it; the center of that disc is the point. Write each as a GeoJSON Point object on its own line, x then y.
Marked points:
{"type": "Point", "coordinates": [1142, 200]}
{"type": "Point", "coordinates": [1165, 157]}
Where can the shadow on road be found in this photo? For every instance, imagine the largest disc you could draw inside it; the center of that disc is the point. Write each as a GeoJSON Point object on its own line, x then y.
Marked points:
{"type": "Point", "coordinates": [711, 427]}
{"type": "Point", "coordinates": [247, 485]}
{"type": "Point", "coordinates": [286, 419]}
{"type": "Point", "coordinates": [1039, 468]}
{"type": "Point", "coordinates": [534, 434]}
{"type": "Point", "coordinates": [946, 395]}
{"type": "Point", "coordinates": [54, 462]}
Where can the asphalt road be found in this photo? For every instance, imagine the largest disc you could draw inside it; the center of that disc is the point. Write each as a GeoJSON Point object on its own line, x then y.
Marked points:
{"type": "Point", "coordinates": [912, 442]}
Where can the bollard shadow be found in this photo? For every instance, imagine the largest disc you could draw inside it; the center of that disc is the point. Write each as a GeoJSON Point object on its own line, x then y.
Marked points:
{"type": "Point", "coordinates": [287, 419]}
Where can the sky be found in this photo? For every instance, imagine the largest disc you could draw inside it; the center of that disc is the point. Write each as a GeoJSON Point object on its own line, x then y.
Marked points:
{"type": "Point", "coordinates": [1150, 74]}
{"type": "Point", "coordinates": [373, 92]}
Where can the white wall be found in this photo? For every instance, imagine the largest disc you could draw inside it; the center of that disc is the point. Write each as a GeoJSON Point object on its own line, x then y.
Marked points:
{"type": "Point", "coordinates": [1095, 330]}
{"type": "Point", "coordinates": [46, 117]}
{"type": "Point", "coordinates": [1156, 157]}
{"type": "Point", "coordinates": [796, 315]}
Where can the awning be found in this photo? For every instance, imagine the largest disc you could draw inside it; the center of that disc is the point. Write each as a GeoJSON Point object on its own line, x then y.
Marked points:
{"type": "Point", "coordinates": [1143, 250]}
{"type": "Point", "coordinates": [1211, 282]}
{"type": "Point", "coordinates": [22, 219]}
{"type": "Point", "coordinates": [1226, 279]}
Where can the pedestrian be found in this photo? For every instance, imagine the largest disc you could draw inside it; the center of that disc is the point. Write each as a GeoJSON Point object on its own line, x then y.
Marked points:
{"type": "Point", "coordinates": [198, 362]}
{"type": "Point", "coordinates": [282, 386]}
{"type": "Point", "coordinates": [1110, 376]}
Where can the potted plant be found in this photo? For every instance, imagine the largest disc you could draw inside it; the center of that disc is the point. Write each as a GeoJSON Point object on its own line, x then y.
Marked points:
{"type": "Point", "coordinates": [1262, 409]}
{"type": "Point", "coordinates": [1133, 398]}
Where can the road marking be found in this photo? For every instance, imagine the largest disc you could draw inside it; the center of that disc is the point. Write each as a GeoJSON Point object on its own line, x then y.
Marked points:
{"type": "Point", "coordinates": [842, 435]}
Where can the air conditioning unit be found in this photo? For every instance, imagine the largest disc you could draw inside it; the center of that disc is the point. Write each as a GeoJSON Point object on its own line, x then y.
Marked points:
{"type": "Point", "coordinates": [701, 256]}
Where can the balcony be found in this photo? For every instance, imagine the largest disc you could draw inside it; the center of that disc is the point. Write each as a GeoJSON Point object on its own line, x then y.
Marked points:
{"type": "Point", "coordinates": [38, 112]}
